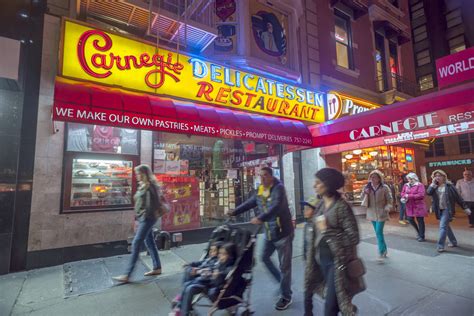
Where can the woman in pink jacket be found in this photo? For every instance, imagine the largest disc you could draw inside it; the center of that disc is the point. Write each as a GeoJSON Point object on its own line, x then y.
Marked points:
{"type": "Point", "coordinates": [413, 194]}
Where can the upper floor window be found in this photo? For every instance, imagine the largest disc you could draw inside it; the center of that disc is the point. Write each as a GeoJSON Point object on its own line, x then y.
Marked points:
{"type": "Point", "coordinates": [453, 18]}
{"type": "Point", "coordinates": [423, 57]}
{"type": "Point", "coordinates": [420, 33]}
{"type": "Point", "coordinates": [426, 82]}
{"type": "Point", "coordinates": [436, 149]}
{"type": "Point", "coordinates": [457, 44]}
{"type": "Point", "coordinates": [417, 10]}
{"type": "Point", "coordinates": [343, 40]}
{"type": "Point", "coordinates": [466, 143]}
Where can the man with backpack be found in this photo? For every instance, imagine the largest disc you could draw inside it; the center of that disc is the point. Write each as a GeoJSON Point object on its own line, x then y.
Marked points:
{"type": "Point", "coordinates": [275, 216]}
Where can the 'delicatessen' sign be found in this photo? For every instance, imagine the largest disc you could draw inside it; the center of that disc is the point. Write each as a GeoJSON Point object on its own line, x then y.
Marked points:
{"type": "Point", "coordinates": [455, 68]}
{"type": "Point", "coordinates": [340, 105]}
{"type": "Point", "coordinates": [95, 55]}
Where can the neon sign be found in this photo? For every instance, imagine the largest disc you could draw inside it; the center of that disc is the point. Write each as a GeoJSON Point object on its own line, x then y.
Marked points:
{"type": "Point", "coordinates": [95, 55]}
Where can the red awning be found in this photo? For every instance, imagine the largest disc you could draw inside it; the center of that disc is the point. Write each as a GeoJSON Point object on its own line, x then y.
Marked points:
{"type": "Point", "coordinates": [438, 114]}
{"type": "Point", "coordinates": [94, 104]}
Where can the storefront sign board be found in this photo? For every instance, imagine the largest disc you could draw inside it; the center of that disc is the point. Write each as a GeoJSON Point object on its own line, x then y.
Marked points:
{"type": "Point", "coordinates": [91, 54]}
{"type": "Point", "coordinates": [459, 162]}
{"type": "Point", "coordinates": [100, 116]}
{"type": "Point", "coordinates": [339, 105]}
{"type": "Point", "coordinates": [455, 68]}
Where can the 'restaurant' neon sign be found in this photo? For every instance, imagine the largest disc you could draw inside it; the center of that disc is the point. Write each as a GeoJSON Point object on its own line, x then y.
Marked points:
{"type": "Point", "coordinates": [94, 55]}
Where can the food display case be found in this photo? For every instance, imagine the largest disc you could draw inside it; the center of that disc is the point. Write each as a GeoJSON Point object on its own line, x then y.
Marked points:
{"type": "Point", "coordinates": [99, 183]}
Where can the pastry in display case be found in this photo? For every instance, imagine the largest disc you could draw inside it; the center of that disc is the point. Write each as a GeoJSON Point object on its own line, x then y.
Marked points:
{"type": "Point", "coordinates": [96, 182]}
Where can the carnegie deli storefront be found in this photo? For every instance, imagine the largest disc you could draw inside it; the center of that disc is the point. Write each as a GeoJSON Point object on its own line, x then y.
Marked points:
{"type": "Point", "coordinates": [205, 129]}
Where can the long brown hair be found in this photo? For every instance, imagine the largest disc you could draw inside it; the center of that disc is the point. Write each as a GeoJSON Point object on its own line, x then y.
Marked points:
{"type": "Point", "coordinates": [145, 171]}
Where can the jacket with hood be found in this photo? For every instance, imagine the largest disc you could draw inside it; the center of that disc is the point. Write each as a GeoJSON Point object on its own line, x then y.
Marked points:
{"type": "Point", "coordinates": [415, 196]}
{"type": "Point", "coordinates": [274, 210]}
{"type": "Point", "coordinates": [379, 200]}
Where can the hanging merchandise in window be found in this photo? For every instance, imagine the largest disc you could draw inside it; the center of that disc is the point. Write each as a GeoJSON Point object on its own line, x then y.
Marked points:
{"type": "Point", "coordinates": [226, 23]}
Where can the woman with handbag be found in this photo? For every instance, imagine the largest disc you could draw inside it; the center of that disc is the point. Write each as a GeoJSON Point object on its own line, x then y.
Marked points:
{"type": "Point", "coordinates": [378, 200]}
{"type": "Point", "coordinates": [413, 196]}
{"type": "Point", "coordinates": [333, 269]}
{"type": "Point", "coordinates": [149, 206]}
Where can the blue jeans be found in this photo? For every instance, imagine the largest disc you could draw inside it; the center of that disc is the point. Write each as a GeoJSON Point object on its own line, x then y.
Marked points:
{"type": "Point", "coordinates": [445, 230]}
{"type": "Point", "coordinates": [403, 208]}
{"type": "Point", "coordinates": [144, 234]}
{"type": "Point", "coordinates": [378, 227]}
{"type": "Point", "coordinates": [190, 290]}
{"type": "Point", "coordinates": [284, 248]}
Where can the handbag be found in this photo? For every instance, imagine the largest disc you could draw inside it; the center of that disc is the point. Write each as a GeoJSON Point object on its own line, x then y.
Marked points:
{"type": "Point", "coordinates": [355, 268]}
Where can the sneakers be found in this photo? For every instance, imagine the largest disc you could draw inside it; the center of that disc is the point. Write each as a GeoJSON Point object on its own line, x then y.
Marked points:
{"type": "Point", "coordinates": [175, 312]}
{"type": "Point", "coordinates": [283, 304]}
{"type": "Point", "coordinates": [153, 272]}
{"type": "Point", "coordinates": [176, 301]}
{"type": "Point", "coordinates": [452, 245]}
{"type": "Point", "coordinates": [440, 250]}
{"type": "Point", "coordinates": [419, 239]}
{"type": "Point", "coordinates": [121, 278]}
{"type": "Point", "coordinates": [380, 259]}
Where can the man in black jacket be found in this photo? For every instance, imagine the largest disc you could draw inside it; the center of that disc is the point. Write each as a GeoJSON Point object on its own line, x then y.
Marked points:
{"type": "Point", "coordinates": [272, 203]}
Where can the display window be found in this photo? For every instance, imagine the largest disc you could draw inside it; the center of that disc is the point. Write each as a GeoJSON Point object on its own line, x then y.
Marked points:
{"type": "Point", "coordinates": [98, 168]}
{"type": "Point", "coordinates": [204, 178]}
{"type": "Point", "coordinates": [393, 161]}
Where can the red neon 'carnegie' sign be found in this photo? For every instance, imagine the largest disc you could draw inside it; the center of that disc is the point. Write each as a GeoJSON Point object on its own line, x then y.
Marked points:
{"type": "Point", "coordinates": [107, 61]}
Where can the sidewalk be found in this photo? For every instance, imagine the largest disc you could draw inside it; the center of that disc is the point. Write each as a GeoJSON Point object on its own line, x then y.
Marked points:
{"type": "Point", "coordinates": [415, 280]}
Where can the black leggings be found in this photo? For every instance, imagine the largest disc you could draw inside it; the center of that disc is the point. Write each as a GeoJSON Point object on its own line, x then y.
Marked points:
{"type": "Point", "coordinates": [420, 228]}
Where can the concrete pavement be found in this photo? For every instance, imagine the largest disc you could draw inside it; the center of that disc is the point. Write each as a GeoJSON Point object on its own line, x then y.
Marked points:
{"type": "Point", "coordinates": [409, 283]}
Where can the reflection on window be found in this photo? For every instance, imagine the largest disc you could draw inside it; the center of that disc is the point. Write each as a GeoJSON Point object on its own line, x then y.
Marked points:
{"type": "Point", "coordinates": [426, 82]}
{"type": "Point", "coordinates": [101, 139]}
{"type": "Point", "coordinates": [204, 178]}
{"type": "Point", "coordinates": [100, 183]}
{"type": "Point", "coordinates": [466, 143]}
{"type": "Point", "coordinates": [343, 40]}
{"type": "Point", "coordinates": [457, 44]}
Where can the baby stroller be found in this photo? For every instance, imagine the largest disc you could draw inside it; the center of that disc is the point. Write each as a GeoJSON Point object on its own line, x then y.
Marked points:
{"type": "Point", "coordinates": [235, 295]}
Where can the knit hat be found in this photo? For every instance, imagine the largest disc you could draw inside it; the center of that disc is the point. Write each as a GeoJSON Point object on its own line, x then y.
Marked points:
{"type": "Point", "coordinates": [440, 172]}
{"type": "Point", "coordinates": [332, 179]}
{"type": "Point", "coordinates": [379, 173]}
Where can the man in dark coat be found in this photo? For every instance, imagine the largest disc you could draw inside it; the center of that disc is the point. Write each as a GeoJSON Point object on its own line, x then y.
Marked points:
{"type": "Point", "coordinates": [272, 203]}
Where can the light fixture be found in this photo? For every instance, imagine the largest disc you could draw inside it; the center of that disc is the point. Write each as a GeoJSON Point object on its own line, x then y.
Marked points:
{"type": "Point", "coordinates": [349, 156]}
{"type": "Point", "coordinates": [364, 157]}
{"type": "Point", "coordinates": [357, 152]}
{"type": "Point", "coordinates": [373, 153]}
{"type": "Point", "coordinates": [353, 165]}
{"type": "Point", "coordinates": [343, 159]}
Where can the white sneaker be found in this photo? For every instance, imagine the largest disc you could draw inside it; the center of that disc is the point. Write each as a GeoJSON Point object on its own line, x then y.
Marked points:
{"type": "Point", "coordinates": [380, 259]}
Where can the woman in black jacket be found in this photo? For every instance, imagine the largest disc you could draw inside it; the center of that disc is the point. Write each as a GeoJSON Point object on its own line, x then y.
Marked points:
{"type": "Point", "coordinates": [444, 198]}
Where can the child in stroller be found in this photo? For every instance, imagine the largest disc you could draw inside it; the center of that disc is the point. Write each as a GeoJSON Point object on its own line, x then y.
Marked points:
{"type": "Point", "coordinates": [196, 268]}
{"type": "Point", "coordinates": [209, 281]}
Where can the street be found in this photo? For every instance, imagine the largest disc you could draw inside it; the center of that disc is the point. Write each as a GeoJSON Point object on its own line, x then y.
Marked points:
{"type": "Point", "coordinates": [415, 280]}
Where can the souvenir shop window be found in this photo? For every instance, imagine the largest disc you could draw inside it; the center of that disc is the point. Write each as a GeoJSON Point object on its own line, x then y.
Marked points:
{"type": "Point", "coordinates": [204, 178]}
{"type": "Point", "coordinates": [102, 139]}
{"type": "Point", "coordinates": [98, 168]}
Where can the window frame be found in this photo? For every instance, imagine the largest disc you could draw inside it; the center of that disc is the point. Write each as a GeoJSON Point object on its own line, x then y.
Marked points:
{"type": "Point", "coordinates": [452, 48]}
{"type": "Point", "coordinates": [338, 14]}
{"type": "Point", "coordinates": [420, 83]}
{"type": "Point", "coordinates": [66, 177]}
{"type": "Point", "coordinates": [426, 59]}
{"type": "Point", "coordinates": [421, 35]}
{"type": "Point", "coordinates": [457, 17]}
